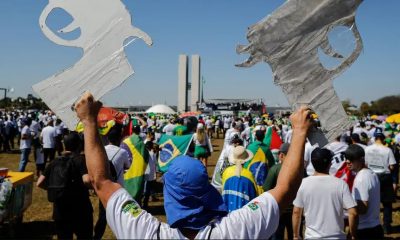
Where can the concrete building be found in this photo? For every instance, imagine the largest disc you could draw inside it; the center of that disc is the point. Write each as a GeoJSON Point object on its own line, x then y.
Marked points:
{"type": "Point", "coordinates": [182, 83]}
{"type": "Point", "coordinates": [195, 84]}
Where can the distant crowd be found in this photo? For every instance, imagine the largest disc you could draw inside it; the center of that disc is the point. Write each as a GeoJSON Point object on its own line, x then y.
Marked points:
{"type": "Point", "coordinates": [357, 173]}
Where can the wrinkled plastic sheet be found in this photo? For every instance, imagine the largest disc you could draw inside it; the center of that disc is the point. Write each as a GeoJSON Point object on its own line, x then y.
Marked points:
{"type": "Point", "coordinates": [104, 26]}
{"type": "Point", "coordinates": [289, 39]}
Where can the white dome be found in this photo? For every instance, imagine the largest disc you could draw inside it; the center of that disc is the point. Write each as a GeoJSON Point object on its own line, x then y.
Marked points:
{"type": "Point", "coordinates": [160, 108]}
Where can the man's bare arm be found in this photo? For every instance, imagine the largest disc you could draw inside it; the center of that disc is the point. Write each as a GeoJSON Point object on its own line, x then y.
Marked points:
{"type": "Point", "coordinates": [291, 173]}
{"type": "Point", "coordinates": [296, 220]}
{"type": "Point", "coordinates": [353, 221]}
{"type": "Point", "coordinates": [96, 158]}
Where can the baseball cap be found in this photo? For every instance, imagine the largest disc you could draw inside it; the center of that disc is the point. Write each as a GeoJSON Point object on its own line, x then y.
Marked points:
{"type": "Point", "coordinates": [378, 132]}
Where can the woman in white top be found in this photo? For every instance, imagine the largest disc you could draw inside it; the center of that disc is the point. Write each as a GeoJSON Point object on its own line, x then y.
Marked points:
{"type": "Point", "coordinates": [202, 144]}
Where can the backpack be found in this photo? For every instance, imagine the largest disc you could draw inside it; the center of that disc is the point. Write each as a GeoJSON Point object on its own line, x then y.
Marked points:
{"type": "Point", "coordinates": [60, 178]}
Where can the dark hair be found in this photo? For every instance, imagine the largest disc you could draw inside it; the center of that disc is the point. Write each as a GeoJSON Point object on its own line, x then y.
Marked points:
{"type": "Point", "coordinates": [236, 140]}
{"type": "Point", "coordinates": [72, 142]}
{"type": "Point", "coordinates": [380, 136]}
{"type": "Point", "coordinates": [260, 135]}
{"type": "Point", "coordinates": [136, 129]}
{"type": "Point", "coordinates": [355, 137]}
{"type": "Point", "coordinates": [354, 152]}
{"type": "Point", "coordinates": [149, 145]}
{"type": "Point", "coordinates": [115, 134]}
{"type": "Point", "coordinates": [321, 159]}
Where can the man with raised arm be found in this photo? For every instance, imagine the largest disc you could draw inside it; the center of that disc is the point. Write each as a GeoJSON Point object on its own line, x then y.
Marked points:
{"type": "Point", "coordinates": [193, 207]}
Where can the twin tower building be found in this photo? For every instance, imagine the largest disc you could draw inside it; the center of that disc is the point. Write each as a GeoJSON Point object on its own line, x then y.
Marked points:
{"type": "Point", "coordinates": [184, 86]}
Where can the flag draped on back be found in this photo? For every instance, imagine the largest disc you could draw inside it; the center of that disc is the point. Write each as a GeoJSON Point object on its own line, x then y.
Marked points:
{"type": "Point", "coordinates": [134, 177]}
{"type": "Point", "coordinates": [237, 191]}
{"type": "Point", "coordinates": [172, 147]}
{"type": "Point", "coordinates": [260, 163]}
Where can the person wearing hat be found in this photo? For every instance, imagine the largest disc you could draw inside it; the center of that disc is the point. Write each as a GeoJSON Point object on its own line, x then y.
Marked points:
{"type": "Point", "coordinates": [322, 198]}
{"type": "Point", "coordinates": [366, 191]}
{"type": "Point", "coordinates": [380, 159]}
{"type": "Point", "coordinates": [238, 184]}
{"type": "Point", "coordinates": [285, 220]}
{"type": "Point", "coordinates": [194, 208]}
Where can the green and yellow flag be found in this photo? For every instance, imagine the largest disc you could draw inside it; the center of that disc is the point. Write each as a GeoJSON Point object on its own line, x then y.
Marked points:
{"type": "Point", "coordinates": [172, 147]}
{"type": "Point", "coordinates": [134, 177]}
{"type": "Point", "coordinates": [260, 163]}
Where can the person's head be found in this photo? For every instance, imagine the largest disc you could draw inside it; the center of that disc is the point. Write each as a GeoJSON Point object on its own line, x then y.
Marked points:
{"type": "Point", "coordinates": [355, 138]}
{"type": "Point", "coordinates": [73, 142]}
{"type": "Point", "coordinates": [321, 159]}
{"type": "Point", "coordinates": [236, 141]}
{"type": "Point", "coordinates": [190, 201]}
{"type": "Point", "coordinates": [149, 145]}
{"type": "Point", "coordinates": [136, 129]}
{"type": "Point", "coordinates": [355, 157]}
{"type": "Point", "coordinates": [364, 138]}
{"type": "Point", "coordinates": [50, 122]}
{"type": "Point", "coordinates": [260, 135]}
{"type": "Point", "coordinates": [26, 122]}
{"type": "Point", "coordinates": [379, 135]}
{"type": "Point", "coordinates": [115, 135]}
{"type": "Point", "coordinates": [283, 150]}
{"type": "Point", "coordinates": [179, 121]}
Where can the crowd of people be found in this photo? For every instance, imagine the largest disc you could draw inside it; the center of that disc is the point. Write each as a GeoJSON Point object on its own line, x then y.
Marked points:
{"type": "Point", "coordinates": [268, 177]}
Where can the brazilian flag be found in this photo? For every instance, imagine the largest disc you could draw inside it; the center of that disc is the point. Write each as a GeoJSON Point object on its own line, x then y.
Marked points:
{"type": "Point", "coordinates": [172, 147]}
{"type": "Point", "coordinates": [260, 163]}
{"type": "Point", "coordinates": [134, 177]}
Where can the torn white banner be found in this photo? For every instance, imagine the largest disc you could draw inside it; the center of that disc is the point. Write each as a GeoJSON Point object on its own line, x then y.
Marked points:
{"type": "Point", "coordinates": [104, 26]}
{"type": "Point", "coordinates": [289, 40]}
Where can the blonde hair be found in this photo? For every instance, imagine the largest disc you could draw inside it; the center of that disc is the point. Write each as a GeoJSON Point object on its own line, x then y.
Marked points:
{"type": "Point", "coordinates": [201, 135]}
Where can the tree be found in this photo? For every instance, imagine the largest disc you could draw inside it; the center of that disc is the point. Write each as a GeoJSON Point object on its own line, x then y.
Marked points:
{"type": "Point", "coordinates": [364, 108]}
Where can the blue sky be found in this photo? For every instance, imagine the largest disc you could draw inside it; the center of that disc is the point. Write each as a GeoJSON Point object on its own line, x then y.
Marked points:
{"type": "Point", "coordinates": [210, 28]}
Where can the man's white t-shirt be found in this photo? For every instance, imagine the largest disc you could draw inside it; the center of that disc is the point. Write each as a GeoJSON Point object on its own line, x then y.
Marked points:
{"type": "Point", "coordinates": [323, 199]}
{"type": "Point", "coordinates": [48, 135]}
{"type": "Point", "coordinates": [366, 188]}
{"type": "Point", "coordinates": [25, 143]}
{"type": "Point", "coordinates": [169, 129]}
{"type": "Point", "coordinates": [35, 128]}
{"type": "Point", "coordinates": [120, 159]}
{"type": "Point", "coordinates": [378, 158]}
{"type": "Point", "coordinates": [257, 219]}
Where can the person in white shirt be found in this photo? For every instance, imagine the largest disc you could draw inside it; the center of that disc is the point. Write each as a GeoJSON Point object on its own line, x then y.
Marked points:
{"type": "Point", "coordinates": [169, 128]}
{"type": "Point", "coordinates": [48, 139]}
{"type": "Point", "coordinates": [25, 143]}
{"type": "Point", "coordinates": [117, 155]}
{"type": "Point", "coordinates": [150, 175]}
{"type": "Point", "coordinates": [193, 207]}
{"type": "Point", "coordinates": [366, 191]}
{"type": "Point", "coordinates": [322, 198]}
{"type": "Point", "coordinates": [380, 159]}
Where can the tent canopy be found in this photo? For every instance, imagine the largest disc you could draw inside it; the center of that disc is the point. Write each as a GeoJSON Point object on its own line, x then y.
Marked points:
{"type": "Point", "coordinates": [160, 108]}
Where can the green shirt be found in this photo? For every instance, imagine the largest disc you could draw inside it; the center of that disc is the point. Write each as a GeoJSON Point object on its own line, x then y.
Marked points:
{"type": "Point", "coordinates": [180, 130]}
{"type": "Point", "coordinates": [272, 177]}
